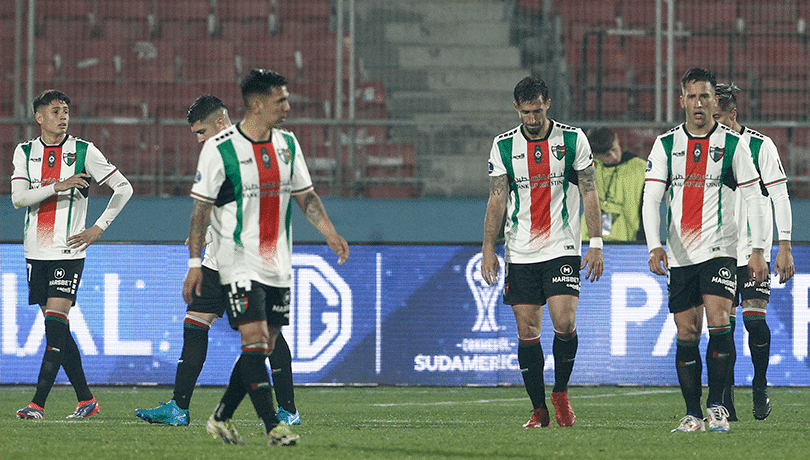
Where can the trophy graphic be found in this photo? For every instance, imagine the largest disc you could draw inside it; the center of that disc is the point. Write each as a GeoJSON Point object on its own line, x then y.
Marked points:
{"type": "Point", "coordinates": [486, 296]}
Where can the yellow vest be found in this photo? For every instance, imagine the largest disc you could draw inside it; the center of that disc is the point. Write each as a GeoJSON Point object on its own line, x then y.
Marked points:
{"type": "Point", "coordinates": [619, 190]}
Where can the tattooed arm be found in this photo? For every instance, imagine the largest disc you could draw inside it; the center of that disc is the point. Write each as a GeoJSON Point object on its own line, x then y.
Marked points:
{"type": "Point", "coordinates": [312, 207]}
{"type": "Point", "coordinates": [200, 216]}
{"type": "Point", "coordinates": [493, 223]}
{"type": "Point", "coordinates": [593, 258]}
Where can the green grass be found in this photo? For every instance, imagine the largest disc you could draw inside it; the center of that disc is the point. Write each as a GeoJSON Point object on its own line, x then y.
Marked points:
{"type": "Point", "coordinates": [408, 423]}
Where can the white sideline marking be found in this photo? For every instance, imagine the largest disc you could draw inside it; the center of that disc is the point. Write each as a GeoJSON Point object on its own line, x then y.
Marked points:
{"type": "Point", "coordinates": [487, 401]}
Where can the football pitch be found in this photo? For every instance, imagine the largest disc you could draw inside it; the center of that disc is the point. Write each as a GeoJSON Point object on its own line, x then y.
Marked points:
{"type": "Point", "coordinates": [408, 423]}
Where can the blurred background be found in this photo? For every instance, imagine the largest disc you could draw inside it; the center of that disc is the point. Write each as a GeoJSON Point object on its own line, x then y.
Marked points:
{"type": "Point", "coordinates": [395, 99]}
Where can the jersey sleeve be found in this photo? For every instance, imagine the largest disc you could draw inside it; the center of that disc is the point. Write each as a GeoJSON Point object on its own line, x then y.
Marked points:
{"type": "Point", "coordinates": [20, 161]}
{"type": "Point", "coordinates": [210, 174]}
{"type": "Point", "coordinates": [301, 180]}
{"type": "Point", "coordinates": [657, 168]}
{"type": "Point", "coordinates": [743, 166]}
{"type": "Point", "coordinates": [770, 166]}
{"type": "Point", "coordinates": [584, 157]}
{"type": "Point", "coordinates": [496, 166]}
{"type": "Point", "coordinates": [97, 165]}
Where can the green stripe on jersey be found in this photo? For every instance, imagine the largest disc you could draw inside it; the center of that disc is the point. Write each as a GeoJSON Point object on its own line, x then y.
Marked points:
{"type": "Point", "coordinates": [666, 142]}
{"type": "Point", "coordinates": [570, 142]}
{"type": "Point", "coordinates": [232, 172]}
{"type": "Point", "coordinates": [756, 146]}
{"type": "Point", "coordinates": [729, 149]}
{"type": "Point", "coordinates": [505, 147]}
{"type": "Point", "coordinates": [27, 150]}
{"type": "Point", "coordinates": [81, 155]}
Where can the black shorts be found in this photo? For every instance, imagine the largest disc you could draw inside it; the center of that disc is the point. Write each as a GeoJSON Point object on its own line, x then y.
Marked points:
{"type": "Point", "coordinates": [212, 300]}
{"type": "Point", "coordinates": [687, 285]}
{"type": "Point", "coordinates": [53, 278]}
{"type": "Point", "coordinates": [260, 303]}
{"type": "Point", "coordinates": [533, 284]}
{"type": "Point", "coordinates": [749, 289]}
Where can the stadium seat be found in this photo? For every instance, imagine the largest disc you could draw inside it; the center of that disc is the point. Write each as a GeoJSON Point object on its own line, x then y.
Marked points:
{"type": "Point", "coordinates": [713, 15]}
{"type": "Point", "coordinates": [601, 13]}
{"type": "Point", "coordinates": [769, 16]}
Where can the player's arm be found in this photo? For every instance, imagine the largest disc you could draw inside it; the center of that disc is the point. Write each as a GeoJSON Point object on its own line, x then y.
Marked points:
{"type": "Point", "coordinates": [783, 217]}
{"type": "Point", "coordinates": [593, 259]}
{"type": "Point", "coordinates": [23, 196]}
{"type": "Point", "coordinates": [200, 217]}
{"type": "Point", "coordinates": [655, 184]}
{"type": "Point", "coordinates": [312, 207]}
{"type": "Point", "coordinates": [493, 223]}
{"type": "Point", "coordinates": [122, 192]}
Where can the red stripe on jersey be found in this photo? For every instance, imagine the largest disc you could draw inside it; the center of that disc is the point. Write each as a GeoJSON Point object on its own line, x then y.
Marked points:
{"type": "Point", "coordinates": [46, 215]}
{"type": "Point", "coordinates": [539, 160]}
{"type": "Point", "coordinates": [697, 153]}
{"type": "Point", "coordinates": [269, 202]}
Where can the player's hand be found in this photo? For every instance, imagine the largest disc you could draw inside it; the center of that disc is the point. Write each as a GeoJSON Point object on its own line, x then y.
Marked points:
{"type": "Point", "coordinates": [340, 247]}
{"type": "Point", "coordinates": [80, 180]}
{"type": "Point", "coordinates": [784, 265]}
{"type": "Point", "coordinates": [595, 261]}
{"type": "Point", "coordinates": [85, 238]}
{"type": "Point", "coordinates": [757, 268]}
{"type": "Point", "coordinates": [193, 283]}
{"type": "Point", "coordinates": [658, 257]}
{"type": "Point", "coordinates": [490, 267]}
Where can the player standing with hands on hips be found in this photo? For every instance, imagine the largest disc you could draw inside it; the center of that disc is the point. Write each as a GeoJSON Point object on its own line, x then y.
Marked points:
{"type": "Point", "coordinates": [51, 177]}
{"type": "Point", "coordinates": [535, 170]}
{"type": "Point", "coordinates": [246, 177]}
{"type": "Point", "coordinates": [699, 164]}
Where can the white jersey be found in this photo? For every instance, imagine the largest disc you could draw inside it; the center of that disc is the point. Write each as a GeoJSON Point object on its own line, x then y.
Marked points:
{"type": "Point", "coordinates": [702, 174]}
{"type": "Point", "coordinates": [49, 223]}
{"type": "Point", "coordinates": [250, 185]}
{"type": "Point", "coordinates": [542, 221]}
{"type": "Point", "coordinates": [766, 159]}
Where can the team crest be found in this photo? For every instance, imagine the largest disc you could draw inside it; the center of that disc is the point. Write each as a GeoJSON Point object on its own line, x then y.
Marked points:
{"type": "Point", "coordinates": [69, 158]}
{"type": "Point", "coordinates": [558, 151]}
{"type": "Point", "coordinates": [284, 155]}
{"type": "Point", "coordinates": [716, 153]}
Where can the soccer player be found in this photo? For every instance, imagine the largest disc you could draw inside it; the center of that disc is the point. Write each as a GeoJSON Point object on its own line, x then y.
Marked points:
{"type": "Point", "coordinates": [246, 177]}
{"type": "Point", "coordinates": [51, 178]}
{"type": "Point", "coordinates": [755, 297]}
{"type": "Point", "coordinates": [699, 164]}
{"type": "Point", "coordinates": [207, 116]}
{"type": "Point", "coordinates": [533, 170]}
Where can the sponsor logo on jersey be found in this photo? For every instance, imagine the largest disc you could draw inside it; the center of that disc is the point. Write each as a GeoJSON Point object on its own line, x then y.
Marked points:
{"type": "Point", "coordinates": [696, 153]}
{"type": "Point", "coordinates": [246, 161]}
{"type": "Point", "coordinates": [266, 158]}
{"type": "Point", "coordinates": [538, 154]}
{"type": "Point", "coordinates": [679, 153]}
{"type": "Point", "coordinates": [59, 273]}
{"type": "Point", "coordinates": [198, 177]}
{"type": "Point", "coordinates": [51, 158]}
{"type": "Point", "coordinates": [519, 156]}
{"type": "Point", "coordinates": [649, 165]}
{"type": "Point", "coordinates": [490, 166]}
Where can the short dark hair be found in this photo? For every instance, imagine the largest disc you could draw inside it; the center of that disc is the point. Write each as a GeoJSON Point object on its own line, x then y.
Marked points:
{"type": "Point", "coordinates": [48, 96]}
{"type": "Point", "coordinates": [530, 89]}
{"type": "Point", "coordinates": [698, 74]}
{"type": "Point", "coordinates": [203, 107]}
{"type": "Point", "coordinates": [727, 96]}
{"type": "Point", "coordinates": [261, 81]}
{"type": "Point", "coordinates": [601, 140]}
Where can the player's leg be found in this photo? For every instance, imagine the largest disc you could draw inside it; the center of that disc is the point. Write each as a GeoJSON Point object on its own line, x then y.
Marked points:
{"type": "Point", "coordinates": [200, 316]}
{"type": "Point", "coordinates": [689, 365]}
{"type": "Point", "coordinates": [525, 295]}
{"type": "Point", "coordinates": [278, 314]}
{"type": "Point", "coordinates": [562, 293]}
{"type": "Point", "coordinates": [281, 366]}
{"type": "Point", "coordinates": [529, 320]}
{"type": "Point", "coordinates": [759, 343]}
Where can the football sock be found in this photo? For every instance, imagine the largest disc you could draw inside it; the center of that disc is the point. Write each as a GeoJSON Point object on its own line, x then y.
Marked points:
{"type": "Point", "coordinates": [234, 393]}
{"type": "Point", "coordinates": [281, 364]}
{"type": "Point", "coordinates": [732, 355]}
{"type": "Point", "coordinates": [718, 353]}
{"type": "Point", "coordinates": [72, 364]}
{"type": "Point", "coordinates": [759, 342]}
{"type": "Point", "coordinates": [565, 350]}
{"type": "Point", "coordinates": [257, 381]}
{"type": "Point", "coordinates": [531, 361]}
{"type": "Point", "coordinates": [689, 366]}
{"type": "Point", "coordinates": [192, 358]}
{"type": "Point", "coordinates": [56, 332]}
